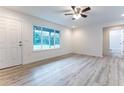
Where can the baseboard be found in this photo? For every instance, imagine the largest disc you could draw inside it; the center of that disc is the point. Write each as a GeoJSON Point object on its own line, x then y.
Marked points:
{"type": "Point", "coordinates": [50, 58]}
{"type": "Point", "coordinates": [88, 54]}
{"type": "Point", "coordinates": [62, 56]}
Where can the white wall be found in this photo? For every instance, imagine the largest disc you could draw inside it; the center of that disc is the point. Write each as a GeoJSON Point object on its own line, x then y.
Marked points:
{"type": "Point", "coordinates": [27, 21]}
{"type": "Point", "coordinates": [84, 40]}
{"type": "Point", "coordinates": [88, 40]}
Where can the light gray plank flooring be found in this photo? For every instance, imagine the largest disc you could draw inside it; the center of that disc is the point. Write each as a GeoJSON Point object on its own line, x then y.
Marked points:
{"type": "Point", "coordinates": [71, 70]}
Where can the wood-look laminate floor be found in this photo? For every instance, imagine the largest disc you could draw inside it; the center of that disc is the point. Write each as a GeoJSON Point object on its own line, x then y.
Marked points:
{"type": "Point", "coordinates": [69, 70]}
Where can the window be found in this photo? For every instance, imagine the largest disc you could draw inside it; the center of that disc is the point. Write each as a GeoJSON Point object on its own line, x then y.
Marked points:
{"type": "Point", "coordinates": [45, 38]}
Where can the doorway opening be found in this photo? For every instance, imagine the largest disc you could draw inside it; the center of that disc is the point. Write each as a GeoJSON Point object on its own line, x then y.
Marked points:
{"type": "Point", "coordinates": [113, 41]}
{"type": "Point", "coordinates": [116, 40]}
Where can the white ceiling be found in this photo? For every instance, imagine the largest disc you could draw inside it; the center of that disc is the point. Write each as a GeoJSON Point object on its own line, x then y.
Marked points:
{"type": "Point", "coordinates": [97, 14]}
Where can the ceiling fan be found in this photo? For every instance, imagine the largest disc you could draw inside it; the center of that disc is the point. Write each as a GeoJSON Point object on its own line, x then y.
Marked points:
{"type": "Point", "coordinates": [78, 12]}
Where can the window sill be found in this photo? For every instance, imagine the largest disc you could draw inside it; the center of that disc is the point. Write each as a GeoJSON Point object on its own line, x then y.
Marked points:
{"type": "Point", "coordinates": [40, 50]}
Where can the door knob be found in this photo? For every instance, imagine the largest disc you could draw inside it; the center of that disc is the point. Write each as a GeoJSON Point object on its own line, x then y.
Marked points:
{"type": "Point", "coordinates": [20, 44]}
{"type": "Point", "coordinates": [20, 41]}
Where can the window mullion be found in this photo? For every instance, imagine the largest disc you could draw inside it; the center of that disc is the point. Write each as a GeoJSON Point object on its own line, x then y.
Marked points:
{"type": "Point", "coordinates": [49, 39]}
{"type": "Point", "coordinates": [41, 40]}
{"type": "Point", "coordinates": [54, 38]}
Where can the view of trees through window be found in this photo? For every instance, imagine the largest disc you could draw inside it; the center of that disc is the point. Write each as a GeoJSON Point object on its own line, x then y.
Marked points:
{"type": "Point", "coordinates": [45, 38]}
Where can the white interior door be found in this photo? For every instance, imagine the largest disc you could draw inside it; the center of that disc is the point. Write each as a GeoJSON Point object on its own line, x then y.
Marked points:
{"type": "Point", "coordinates": [10, 36]}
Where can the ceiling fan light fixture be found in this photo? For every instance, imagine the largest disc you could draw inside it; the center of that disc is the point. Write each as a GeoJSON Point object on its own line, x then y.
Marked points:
{"type": "Point", "coordinates": [122, 14]}
{"type": "Point", "coordinates": [76, 16]}
{"type": "Point", "coordinates": [78, 11]}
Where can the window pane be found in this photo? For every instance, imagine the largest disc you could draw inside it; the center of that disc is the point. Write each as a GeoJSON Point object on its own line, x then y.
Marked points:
{"type": "Point", "coordinates": [45, 40]}
{"type": "Point", "coordinates": [52, 39]}
{"type": "Point", "coordinates": [37, 39]}
{"type": "Point", "coordinates": [57, 39]}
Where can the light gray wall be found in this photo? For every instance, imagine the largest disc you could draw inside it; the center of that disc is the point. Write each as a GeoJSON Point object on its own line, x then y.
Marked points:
{"type": "Point", "coordinates": [84, 40]}
{"type": "Point", "coordinates": [88, 40]}
{"type": "Point", "coordinates": [27, 21]}
{"type": "Point", "coordinates": [93, 39]}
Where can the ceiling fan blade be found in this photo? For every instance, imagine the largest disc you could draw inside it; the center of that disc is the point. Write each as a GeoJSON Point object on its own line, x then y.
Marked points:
{"type": "Point", "coordinates": [82, 15]}
{"type": "Point", "coordinates": [86, 9]}
{"type": "Point", "coordinates": [68, 14]}
{"type": "Point", "coordinates": [73, 7]}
